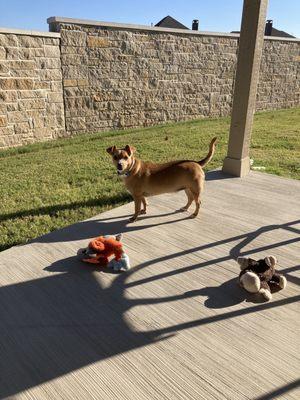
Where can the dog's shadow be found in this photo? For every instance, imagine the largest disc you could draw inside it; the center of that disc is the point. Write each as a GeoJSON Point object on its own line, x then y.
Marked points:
{"type": "Point", "coordinates": [228, 294]}
{"type": "Point", "coordinates": [73, 265]}
{"type": "Point", "coordinates": [109, 226]}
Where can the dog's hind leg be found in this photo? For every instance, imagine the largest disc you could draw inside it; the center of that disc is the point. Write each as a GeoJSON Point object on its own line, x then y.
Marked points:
{"type": "Point", "coordinates": [197, 200]}
{"type": "Point", "coordinates": [189, 201]}
{"type": "Point", "coordinates": [145, 203]}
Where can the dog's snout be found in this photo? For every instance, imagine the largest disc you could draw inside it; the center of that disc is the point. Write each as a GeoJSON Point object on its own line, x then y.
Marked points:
{"type": "Point", "coordinates": [119, 167]}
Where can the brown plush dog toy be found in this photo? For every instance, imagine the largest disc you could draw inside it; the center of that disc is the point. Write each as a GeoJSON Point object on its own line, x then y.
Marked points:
{"type": "Point", "coordinates": [260, 276]}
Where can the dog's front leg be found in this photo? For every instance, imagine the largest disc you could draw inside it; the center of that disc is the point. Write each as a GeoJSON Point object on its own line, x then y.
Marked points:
{"type": "Point", "coordinates": [137, 208]}
{"type": "Point", "coordinates": [145, 203]}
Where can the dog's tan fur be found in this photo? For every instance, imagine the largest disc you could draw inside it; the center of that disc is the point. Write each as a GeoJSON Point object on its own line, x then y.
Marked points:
{"type": "Point", "coordinates": [144, 179]}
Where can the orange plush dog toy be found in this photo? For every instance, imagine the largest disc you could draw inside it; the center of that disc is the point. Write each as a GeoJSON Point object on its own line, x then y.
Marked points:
{"type": "Point", "coordinates": [100, 249]}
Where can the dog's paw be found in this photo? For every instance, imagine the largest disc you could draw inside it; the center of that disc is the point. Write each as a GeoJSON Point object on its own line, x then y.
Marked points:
{"type": "Point", "coordinates": [143, 212]}
{"type": "Point", "coordinates": [267, 295]}
{"type": "Point", "coordinates": [282, 282]}
{"type": "Point", "coordinates": [193, 216]}
{"type": "Point", "coordinates": [132, 219]}
{"type": "Point", "coordinates": [182, 209]}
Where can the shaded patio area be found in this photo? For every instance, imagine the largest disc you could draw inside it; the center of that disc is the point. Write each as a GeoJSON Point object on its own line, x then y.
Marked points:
{"type": "Point", "coordinates": [177, 325]}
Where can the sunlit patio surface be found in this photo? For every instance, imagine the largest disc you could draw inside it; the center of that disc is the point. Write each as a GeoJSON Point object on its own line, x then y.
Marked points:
{"type": "Point", "coordinates": [177, 325]}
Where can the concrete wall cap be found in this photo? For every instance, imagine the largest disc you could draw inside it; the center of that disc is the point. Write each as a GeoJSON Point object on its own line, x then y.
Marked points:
{"type": "Point", "coordinates": [29, 33]}
{"type": "Point", "coordinates": [74, 21]}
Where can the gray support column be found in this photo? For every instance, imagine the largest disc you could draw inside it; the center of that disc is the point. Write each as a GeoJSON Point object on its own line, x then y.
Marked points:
{"type": "Point", "coordinates": [237, 162]}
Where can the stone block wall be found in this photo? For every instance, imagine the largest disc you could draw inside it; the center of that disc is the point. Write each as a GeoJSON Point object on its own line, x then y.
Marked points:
{"type": "Point", "coordinates": [279, 77]}
{"type": "Point", "coordinates": [31, 96]}
{"type": "Point", "coordinates": [116, 79]}
{"type": "Point", "coordinates": [88, 76]}
{"type": "Point", "coordinates": [120, 76]}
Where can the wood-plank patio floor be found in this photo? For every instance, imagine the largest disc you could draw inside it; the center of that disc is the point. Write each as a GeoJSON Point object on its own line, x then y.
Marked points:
{"type": "Point", "coordinates": [176, 326]}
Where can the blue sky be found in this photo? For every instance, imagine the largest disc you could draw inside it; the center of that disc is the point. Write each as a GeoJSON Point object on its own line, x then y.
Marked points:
{"type": "Point", "coordinates": [214, 15]}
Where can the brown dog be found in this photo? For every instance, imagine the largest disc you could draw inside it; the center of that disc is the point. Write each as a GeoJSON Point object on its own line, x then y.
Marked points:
{"type": "Point", "coordinates": [144, 179]}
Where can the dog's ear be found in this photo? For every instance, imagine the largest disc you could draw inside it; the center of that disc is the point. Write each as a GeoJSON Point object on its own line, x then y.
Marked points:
{"type": "Point", "coordinates": [243, 262]}
{"type": "Point", "coordinates": [111, 150]}
{"type": "Point", "coordinates": [270, 261]}
{"type": "Point", "coordinates": [130, 149]}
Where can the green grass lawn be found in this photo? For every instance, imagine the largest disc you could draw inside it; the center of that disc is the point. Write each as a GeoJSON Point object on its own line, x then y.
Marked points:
{"type": "Point", "coordinates": [46, 186]}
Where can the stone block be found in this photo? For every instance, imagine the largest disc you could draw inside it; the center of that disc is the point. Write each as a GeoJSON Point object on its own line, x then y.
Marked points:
{"type": "Point", "coordinates": [82, 82]}
{"type": "Point", "coordinates": [69, 82]}
{"type": "Point", "coordinates": [41, 133]}
{"type": "Point", "coordinates": [7, 131]}
{"type": "Point", "coordinates": [4, 68]}
{"type": "Point", "coordinates": [25, 53]}
{"type": "Point", "coordinates": [10, 141]}
{"type": "Point", "coordinates": [60, 119]}
{"type": "Point", "coordinates": [30, 41]}
{"type": "Point", "coordinates": [74, 59]}
{"type": "Point", "coordinates": [22, 64]}
{"type": "Point", "coordinates": [75, 72]}
{"type": "Point", "coordinates": [51, 41]}
{"type": "Point", "coordinates": [55, 108]}
{"type": "Point", "coordinates": [51, 51]}
{"type": "Point", "coordinates": [12, 107]}
{"type": "Point", "coordinates": [8, 96]}
{"type": "Point", "coordinates": [48, 63]}
{"type": "Point", "coordinates": [31, 94]}
{"type": "Point", "coordinates": [51, 121]}
{"type": "Point", "coordinates": [38, 121]}
{"type": "Point", "coordinates": [73, 50]}
{"type": "Point", "coordinates": [22, 128]}
{"type": "Point", "coordinates": [96, 41]}
{"type": "Point", "coordinates": [76, 124]}
{"type": "Point", "coordinates": [12, 53]}
{"type": "Point", "coordinates": [31, 104]}
{"type": "Point", "coordinates": [23, 73]}
{"type": "Point", "coordinates": [50, 74]}
{"type": "Point", "coordinates": [34, 53]}
{"type": "Point", "coordinates": [55, 97]}
{"type": "Point", "coordinates": [60, 133]}
{"type": "Point", "coordinates": [56, 86]}
{"type": "Point", "coordinates": [17, 116]}
{"type": "Point", "coordinates": [73, 38]}
{"type": "Point", "coordinates": [8, 40]}
{"type": "Point", "coordinates": [42, 85]}
{"type": "Point", "coordinates": [16, 84]}
{"type": "Point", "coordinates": [3, 108]}
{"type": "Point", "coordinates": [3, 120]}
{"type": "Point", "coordinates": [2, 53]}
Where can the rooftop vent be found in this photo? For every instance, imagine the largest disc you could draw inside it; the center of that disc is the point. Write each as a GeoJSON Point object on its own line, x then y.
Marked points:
{"type": "Point", "coordinates": [195, 25]}
{"type": "Point", "coordinates": [269, 27]}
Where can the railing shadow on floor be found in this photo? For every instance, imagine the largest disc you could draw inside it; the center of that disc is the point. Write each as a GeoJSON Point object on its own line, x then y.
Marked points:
{"type": "Point", "coordinates": [54, 325]}
{"type": "Point", "coordinates": [280, 391]}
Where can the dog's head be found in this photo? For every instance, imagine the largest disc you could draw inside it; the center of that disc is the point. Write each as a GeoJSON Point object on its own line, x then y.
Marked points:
{"type": "Point", "coordinates": [123, 159]}
{"type": "Point", "coordinates": [260, 265]}
{"type": "Point", "coordinates": [97, 245]}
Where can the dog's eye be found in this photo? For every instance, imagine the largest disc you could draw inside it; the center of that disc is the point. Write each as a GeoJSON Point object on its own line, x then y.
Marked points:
{"type": "Point", "coordinates": [125, 158]}
{"type": "Point", "coordinates": [115, 158]}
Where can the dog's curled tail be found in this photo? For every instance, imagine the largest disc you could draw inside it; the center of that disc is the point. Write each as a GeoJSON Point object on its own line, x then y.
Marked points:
{"type": "Point", "coordinates": [210, 154]}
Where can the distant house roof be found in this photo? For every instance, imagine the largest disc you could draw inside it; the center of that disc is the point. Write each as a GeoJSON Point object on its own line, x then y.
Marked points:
{"type": "Point", "coordinates": [170, 22]}
{"type": "Point", "coordinates": [275, 32]}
